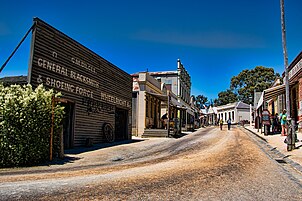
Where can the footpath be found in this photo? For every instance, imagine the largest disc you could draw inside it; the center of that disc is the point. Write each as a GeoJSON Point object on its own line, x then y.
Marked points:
{"type": "Point", "coordinates": [276, 141]}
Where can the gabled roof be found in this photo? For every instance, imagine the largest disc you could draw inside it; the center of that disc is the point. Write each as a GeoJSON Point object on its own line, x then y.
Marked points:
{"type": "Point", "coordinates": [238, 105]}
{"type": "Point", "coordinates": [242, 105]}
{"type": "Point", "coordinates": [229, 105]}
{"type": "Point", "coordinates": [212, 110]}
{"type": "Point", "coordinates": [14, 80]}
{"type": "Point", "coordinates": [203, 111]}
{"type": "Point", "coordinates": [161, 73]}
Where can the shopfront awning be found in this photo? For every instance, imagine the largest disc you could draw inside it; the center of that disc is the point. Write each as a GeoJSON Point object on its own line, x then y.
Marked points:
{"type": "Point", "coordinates": [271, 93]}
{"type": "Point", "coordinates": [164, 98]}
{"type": "Point", "coordinates": [190, 111]}
{"type": "Point", "coordinates": [159, 96]}
{"type": "Point", "coordinates": [175, 103]}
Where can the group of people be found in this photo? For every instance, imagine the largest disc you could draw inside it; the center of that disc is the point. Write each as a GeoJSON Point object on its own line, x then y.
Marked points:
{"type": "Point", "coordinates": [229, 121]}
{"type": "Point", "coordinates": [279, 123]}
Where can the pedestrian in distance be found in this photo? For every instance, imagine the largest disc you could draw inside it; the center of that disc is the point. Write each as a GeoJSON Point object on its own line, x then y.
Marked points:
{"type": "Point", "coordinates": [229, 124]}
{"type": "Point", "coordinates": [283, 120]}
{"type": "Point", "coordinates": [221, 123]}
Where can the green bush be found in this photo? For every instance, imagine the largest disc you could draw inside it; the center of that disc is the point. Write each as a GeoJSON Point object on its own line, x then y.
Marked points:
{"type": "Point", "coordinates": [25, 123]}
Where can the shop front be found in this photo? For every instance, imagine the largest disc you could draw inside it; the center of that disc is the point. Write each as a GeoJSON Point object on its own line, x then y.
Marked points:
{"type": "Point", "coordinates": [154, 107]}
{"type": "Point", "coordinates": [295, 80]}
{"type": "Point", "coordinates": [97, 93]}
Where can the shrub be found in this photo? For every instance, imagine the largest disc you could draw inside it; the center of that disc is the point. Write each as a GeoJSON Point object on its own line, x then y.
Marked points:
{"type": "Point", "coordinates": [25, 123]}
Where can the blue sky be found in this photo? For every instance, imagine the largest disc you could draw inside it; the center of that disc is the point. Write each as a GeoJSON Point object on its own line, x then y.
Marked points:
{"type": "Point", "coordinates": [215, 39]}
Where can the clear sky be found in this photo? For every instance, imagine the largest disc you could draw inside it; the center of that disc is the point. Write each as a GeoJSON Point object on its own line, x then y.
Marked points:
{"type": "Point", "coordinates": [214, 39]}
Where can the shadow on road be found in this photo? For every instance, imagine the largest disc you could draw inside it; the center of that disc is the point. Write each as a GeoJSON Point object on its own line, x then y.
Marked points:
{"type": "Point", "coordinates": [179, 135]}
{"type": "Point", "coordinates": [79, 150]}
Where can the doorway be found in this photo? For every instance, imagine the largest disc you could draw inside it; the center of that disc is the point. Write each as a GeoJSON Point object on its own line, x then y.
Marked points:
{"type": "Point", "coordinates": [68, 125]}
{"type": "Point", "coordinates": [121, 123]}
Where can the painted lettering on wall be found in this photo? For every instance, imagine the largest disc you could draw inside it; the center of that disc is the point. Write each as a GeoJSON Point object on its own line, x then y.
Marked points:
{"type": "Point", "coordinates": [51, 66]}
{"type": "Point", "coordinates": [113, 99]}
{"type": "Point", "coordinates": [83, 64]}
{"type": "Point", "coordinates": [295, 69]}
{"type": "Point", "coordinates": [62, 85]}
{"type": "Point", "coordinates": [94, 106]}
{"type": "Point", "coordinates": [72, 88]}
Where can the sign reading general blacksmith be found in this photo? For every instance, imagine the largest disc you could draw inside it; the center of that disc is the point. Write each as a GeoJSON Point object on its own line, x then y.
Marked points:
{"type": "Point", "coordinates": [99, 93]}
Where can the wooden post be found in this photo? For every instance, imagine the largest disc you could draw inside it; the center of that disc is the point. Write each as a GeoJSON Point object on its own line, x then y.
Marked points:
{"type": "Point", "coordinates": [168, 123]}
{"type": "Point", "coordinates": [52, 127]}
{"type": "Point", "coordinates": [61, 143]}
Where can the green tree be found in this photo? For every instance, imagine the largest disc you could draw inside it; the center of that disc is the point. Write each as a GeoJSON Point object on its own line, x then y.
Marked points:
{"type": "Point", "coordinates": [201, 100]}
{"type": "Point", "coordinates": [259, 79]}
{"type": "Point", "coordinates": [225, 97]}
{"type": "Point", "coordinates": [25, 122]}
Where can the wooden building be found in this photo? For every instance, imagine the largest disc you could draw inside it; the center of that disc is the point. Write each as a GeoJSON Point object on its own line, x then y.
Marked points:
{"type": "Point", "coordinates": [277, 93]}
{"type": "Point", "coordinates": [179, 83]}
{"type": "Point", "coordinates": [97, 93]}
{"type": "Point", "coordinates": [295, 86]}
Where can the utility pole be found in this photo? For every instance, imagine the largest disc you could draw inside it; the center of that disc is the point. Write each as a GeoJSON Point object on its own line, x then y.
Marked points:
{"type": "Point", "coordinates": [291, 126]}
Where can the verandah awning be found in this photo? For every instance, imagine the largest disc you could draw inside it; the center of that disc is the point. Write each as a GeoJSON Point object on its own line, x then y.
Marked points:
{"type": "Point", "coordinates": [159, 96]}
{"type": "Point", "coordinates": [271, 93]}
{"type": "Point", "coordinates": [163, 97]}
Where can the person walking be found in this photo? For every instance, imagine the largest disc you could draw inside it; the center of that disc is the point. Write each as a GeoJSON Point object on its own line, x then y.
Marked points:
{"type": "Point", "coordinates": [221, 123]}
{"type": "Point", "coordinates": [229, 124]}
{"type": "Point", "coordinates": [283, 120]}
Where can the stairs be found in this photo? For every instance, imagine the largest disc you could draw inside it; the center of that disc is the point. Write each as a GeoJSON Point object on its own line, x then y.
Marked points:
{"type": "Point", "coordinates": [155, 133]}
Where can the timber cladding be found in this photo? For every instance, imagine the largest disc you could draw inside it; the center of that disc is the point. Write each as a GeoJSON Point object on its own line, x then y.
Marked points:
{"type": "Point", "coordinates": [96, 87]}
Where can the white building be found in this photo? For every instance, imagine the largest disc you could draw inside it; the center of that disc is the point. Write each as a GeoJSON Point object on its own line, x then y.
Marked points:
{"type": "Point", "coordinates": [237, 112]}
{"type": "Point", "coordinates": [212, 115]}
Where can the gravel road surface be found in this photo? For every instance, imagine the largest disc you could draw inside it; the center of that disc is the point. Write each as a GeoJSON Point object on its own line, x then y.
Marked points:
{"type": "Point", "coordinates": [208, 164]}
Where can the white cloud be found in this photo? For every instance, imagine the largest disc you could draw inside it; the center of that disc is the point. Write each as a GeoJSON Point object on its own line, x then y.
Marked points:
{"type": "Point", "coordinates": [219, 40]}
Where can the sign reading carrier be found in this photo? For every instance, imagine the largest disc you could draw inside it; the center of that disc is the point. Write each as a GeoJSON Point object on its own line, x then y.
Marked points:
{"type": "Point", "coordinates": [83, 77]}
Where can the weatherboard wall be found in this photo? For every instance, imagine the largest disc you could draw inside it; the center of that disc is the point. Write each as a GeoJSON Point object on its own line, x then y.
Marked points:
{"type": "Point", "coordinates": [95, 86]}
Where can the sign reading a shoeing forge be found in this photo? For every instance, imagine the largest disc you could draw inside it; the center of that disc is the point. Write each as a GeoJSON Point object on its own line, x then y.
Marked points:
{"type": "Point", "coordinates": [61, 63]}
{"type": "Point", "coordinates": [97, 91]}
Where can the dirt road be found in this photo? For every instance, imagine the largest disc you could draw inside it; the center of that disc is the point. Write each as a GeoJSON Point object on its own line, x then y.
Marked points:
{"type": "Point", "coordinates": [206, 165]}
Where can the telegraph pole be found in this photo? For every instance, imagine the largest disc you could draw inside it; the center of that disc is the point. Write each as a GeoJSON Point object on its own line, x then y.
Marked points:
{"type": "Point", "coordinates": [291, 126]}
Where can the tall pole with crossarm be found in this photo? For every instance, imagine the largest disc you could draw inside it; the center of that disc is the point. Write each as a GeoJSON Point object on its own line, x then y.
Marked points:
{"type": "Point", "coordinates": [291, 129]}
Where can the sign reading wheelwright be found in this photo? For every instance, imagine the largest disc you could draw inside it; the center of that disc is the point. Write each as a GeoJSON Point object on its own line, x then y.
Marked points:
{"type": "Point", "coordinates": [95, 86]}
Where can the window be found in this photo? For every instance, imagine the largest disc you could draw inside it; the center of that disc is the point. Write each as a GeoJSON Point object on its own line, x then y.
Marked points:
{"type": "Point", "coordinates": [169, 86]}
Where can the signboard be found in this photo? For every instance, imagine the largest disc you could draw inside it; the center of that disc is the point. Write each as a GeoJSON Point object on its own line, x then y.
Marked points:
{"type": "Point", "coordinates": [295, 69]}
{"type": "Point", "coordinates": [266, 117]}
{"type": "Point", "coordinates": [93, 84]}
{"type": "Point", "coordinates": [61, 63]}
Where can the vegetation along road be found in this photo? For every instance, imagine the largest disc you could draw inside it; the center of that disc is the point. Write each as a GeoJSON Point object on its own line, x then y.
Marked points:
{"type": "Point", "coordinates": [208, 164]}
